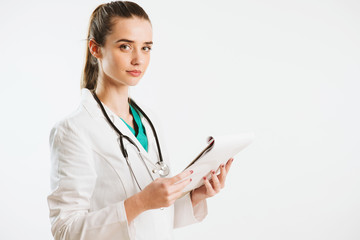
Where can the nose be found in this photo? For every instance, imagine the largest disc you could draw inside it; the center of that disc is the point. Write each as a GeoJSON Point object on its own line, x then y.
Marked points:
{"type": "Point", "coordinates": [137, 58]}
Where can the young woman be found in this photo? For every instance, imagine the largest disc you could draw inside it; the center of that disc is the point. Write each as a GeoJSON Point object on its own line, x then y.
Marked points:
{"type": "Point", "coordinates": [109, 179]}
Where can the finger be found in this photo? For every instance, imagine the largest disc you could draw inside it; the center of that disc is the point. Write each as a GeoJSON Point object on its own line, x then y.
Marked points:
{"type": "Point", "coordinates": [177, 195]}
{"type": "Point", "coordinates": [180, 186]}
{"type": "Point", "coordinates": [222, 175]}
{"type": "Point", "coordinates": [180, 176]}
{"type": "Point", "coordinates": [209, 189]}
{"type": "Point", "coordinates": [216, 182]}
{"type": "Point", "coordinates": [228, 164]}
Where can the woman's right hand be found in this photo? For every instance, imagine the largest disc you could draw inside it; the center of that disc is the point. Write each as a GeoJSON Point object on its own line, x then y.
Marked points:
{"type": "Point", "coordinates": [163, 192]}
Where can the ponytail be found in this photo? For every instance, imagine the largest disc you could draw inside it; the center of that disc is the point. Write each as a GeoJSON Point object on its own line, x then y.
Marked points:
{"type": "Point", "coordinates": [91, 71]}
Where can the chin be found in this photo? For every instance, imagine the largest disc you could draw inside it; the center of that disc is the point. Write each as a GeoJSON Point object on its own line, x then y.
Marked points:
{"type": "Point", "coordinates": [133, 82]}
{"type": "Point", "coordinates": [128, 81]}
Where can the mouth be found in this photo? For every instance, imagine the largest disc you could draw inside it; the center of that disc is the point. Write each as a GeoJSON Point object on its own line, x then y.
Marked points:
{"type": "Point", "coordinates": [134, 73]}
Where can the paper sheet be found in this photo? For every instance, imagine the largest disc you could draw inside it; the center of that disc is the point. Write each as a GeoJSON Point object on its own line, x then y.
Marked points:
{"type": "Point", "coordinates": [218, 151]}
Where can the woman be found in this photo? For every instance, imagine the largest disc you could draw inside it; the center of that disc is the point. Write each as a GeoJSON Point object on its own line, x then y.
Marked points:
{"type": "Point", "coordinates": [98, 191]}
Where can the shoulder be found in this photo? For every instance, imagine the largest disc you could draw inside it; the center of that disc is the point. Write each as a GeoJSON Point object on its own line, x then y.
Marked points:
{"type": "Point", "coordinates": [71, 125]}
{"type": "Point", "coordinates": [81, 118]}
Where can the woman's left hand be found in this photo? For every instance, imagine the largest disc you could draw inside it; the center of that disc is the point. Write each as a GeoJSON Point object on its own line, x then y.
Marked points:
{"type": "Point", "coordinates": [212, 187]}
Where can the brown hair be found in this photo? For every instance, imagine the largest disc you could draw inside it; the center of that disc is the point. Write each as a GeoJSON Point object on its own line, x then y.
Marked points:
{"type": "Point", "coordinates": [100, 26]}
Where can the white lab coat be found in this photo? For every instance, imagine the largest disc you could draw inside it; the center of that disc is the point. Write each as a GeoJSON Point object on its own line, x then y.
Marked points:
{"type": "Point", "coordinates": [90, 181]}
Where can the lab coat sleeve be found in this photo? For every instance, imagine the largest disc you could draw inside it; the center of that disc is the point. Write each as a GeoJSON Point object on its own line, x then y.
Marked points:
{"type": "Point", "coordinates": [73, 178]}
{"type": "Point", "coordinates": [185, 214]}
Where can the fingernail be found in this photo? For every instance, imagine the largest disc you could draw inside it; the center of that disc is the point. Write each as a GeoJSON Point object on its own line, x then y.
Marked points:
{"type": "Point", "coordinates": [232, 159]}
{"type": "Point", "coordinates": [213, 172]}
{"type": "Point", "coordinates": [191, 171]}
{"type": "Point", "coordinates": [190, 179]}
{"type": "Point", "coordinates": [222, 165]}
{"type": "Point", "coordinates": [204, 178]}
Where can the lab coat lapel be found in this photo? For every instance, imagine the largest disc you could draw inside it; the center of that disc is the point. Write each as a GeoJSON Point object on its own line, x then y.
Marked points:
{"type": "Point", "coordinates": [94, 109]}
{"type": "Point", "coordinates": [107, 140]}
{"type": "Point", "coordinates": [151, 155]}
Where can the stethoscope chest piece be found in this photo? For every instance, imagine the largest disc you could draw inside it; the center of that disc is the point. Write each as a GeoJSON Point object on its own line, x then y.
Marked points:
{"type": "Point", "coordinates": [162, 169]}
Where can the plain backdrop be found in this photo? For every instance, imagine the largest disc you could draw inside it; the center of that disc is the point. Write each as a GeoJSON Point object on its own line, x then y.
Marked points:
{"type": "Point", "coordinates": [287, 70]}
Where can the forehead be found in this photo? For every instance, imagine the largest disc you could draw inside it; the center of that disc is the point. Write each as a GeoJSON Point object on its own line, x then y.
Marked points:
{"type": "Point", "coordinates": [135, 29]}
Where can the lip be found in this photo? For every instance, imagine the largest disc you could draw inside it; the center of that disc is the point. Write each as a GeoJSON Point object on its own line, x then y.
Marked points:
{"type": "Point", "coordinates": [134, 73]}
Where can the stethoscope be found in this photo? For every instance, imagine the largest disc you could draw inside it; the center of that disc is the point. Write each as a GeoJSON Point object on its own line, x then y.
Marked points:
{"type": "Point", "coordinates": [160, 167]}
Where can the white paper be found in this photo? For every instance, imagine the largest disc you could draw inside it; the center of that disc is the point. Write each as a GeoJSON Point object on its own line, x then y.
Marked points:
{"type": "Point", "coordinates": [223, 148]}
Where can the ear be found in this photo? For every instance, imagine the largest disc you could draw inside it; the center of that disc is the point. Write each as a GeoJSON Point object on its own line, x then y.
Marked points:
{"type": "Point", "coordinates": [94, 48]}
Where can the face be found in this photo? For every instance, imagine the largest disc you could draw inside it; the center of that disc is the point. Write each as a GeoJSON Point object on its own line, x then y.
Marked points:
{"type": "Point", "coordinates": [126, 54]}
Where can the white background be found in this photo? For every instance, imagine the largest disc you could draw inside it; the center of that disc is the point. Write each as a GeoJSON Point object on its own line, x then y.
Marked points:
{"type": "Point", "coordinates": [287, 70]}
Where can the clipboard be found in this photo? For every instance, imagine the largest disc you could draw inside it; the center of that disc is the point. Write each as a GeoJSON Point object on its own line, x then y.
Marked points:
{"type": "Point", "coordinates": [219, 150]}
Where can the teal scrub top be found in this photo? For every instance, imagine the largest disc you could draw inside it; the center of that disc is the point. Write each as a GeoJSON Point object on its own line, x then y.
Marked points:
{"type": "Point", "coordinates": [141, 135]}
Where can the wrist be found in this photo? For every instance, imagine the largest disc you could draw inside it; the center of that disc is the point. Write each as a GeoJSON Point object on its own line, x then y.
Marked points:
{"type": "Point", "coordinates": [134, 206]}
{"type": "Point", "coordinates": [195, 198]}
{"type": "Point", "coordinates": [141, 202]}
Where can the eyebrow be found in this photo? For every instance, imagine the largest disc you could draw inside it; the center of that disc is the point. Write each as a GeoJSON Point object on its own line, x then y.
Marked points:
{"type": "Point", "coordinates": [130, 41]}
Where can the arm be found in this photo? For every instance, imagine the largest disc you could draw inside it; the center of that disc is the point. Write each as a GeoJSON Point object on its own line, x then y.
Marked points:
{"type": "Point", "coordinates": [73, 179]}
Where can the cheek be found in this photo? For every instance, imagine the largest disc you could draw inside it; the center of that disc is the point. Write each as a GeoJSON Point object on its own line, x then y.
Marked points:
{"type": "Point", "coordinates": [115, 63]}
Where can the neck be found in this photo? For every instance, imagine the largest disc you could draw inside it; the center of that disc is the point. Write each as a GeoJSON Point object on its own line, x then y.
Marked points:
{"type": "Point", "coordinates": [115, 98]}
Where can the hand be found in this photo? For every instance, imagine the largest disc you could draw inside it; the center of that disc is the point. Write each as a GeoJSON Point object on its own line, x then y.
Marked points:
{"type": "Point", "coordinates": [160, 193]}
{"type": "Point", "coordinates": [164, 191]}
{"type": "Point", "coordinates": [212, 187]}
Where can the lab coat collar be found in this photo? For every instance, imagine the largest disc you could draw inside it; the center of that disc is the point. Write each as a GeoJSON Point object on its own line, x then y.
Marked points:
{"type": "Point", "coordinates": [90, 104]}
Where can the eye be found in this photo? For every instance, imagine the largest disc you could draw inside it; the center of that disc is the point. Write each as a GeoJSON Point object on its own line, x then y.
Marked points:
{"type": "Point", "coordinates": [125, 47]}
{"type": "Point", "coordinates": [147, 49]}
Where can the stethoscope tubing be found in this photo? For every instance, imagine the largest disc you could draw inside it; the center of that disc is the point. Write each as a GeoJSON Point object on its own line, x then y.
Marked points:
{"type": "Point", "coordinates": [122, 136]}
{"type": "Point", "coordinates": [152, 128]}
